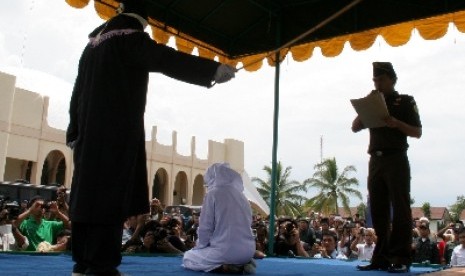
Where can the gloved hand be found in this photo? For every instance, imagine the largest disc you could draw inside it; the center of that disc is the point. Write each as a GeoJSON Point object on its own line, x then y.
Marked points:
{"type": "Point", "coordinates": [224, 73]}
{"type": "Point", "coordinates": [71, 144]}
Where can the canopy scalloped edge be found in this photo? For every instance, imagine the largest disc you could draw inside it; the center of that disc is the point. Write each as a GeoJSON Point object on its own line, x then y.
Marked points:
{"type": "Point", "coordinates": [394, 35]}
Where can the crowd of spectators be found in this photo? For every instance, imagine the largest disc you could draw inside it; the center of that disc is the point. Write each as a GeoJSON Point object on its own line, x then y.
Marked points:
{"type": "Point", "coordinates": [45, 226]}
{"type": "Point", "coordinates": [335, 237]}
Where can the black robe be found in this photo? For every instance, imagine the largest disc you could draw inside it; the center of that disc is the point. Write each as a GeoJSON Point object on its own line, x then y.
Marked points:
{"type": "Point", "coordinates": [107, 118]}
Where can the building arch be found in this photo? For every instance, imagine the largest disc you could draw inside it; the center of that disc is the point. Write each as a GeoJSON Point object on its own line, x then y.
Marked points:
{"type": "Point", "coordinates": [54, 169]}
{"type": "Point", "coordinates": [198, 191]}
{"type": "Point", "coordinates": [160, 184]}
{"type": "Point", "coordinates": [180, 189]}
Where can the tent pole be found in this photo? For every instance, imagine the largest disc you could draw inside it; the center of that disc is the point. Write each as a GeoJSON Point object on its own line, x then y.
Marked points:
{"type": "Point", "coordinates": [274, 177]}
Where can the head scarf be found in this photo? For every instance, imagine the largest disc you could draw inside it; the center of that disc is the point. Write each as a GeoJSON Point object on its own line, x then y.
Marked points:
{"type": "Point", "coordinates": [221, 174]}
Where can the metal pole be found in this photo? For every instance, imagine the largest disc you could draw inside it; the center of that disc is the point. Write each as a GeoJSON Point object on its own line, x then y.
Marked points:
{"type": "Point", "coordinates": [274, 177]}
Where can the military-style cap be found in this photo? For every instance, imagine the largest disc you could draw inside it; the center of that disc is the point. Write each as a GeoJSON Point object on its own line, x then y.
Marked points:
{"type": "Point", "coordinates": [381, 68]}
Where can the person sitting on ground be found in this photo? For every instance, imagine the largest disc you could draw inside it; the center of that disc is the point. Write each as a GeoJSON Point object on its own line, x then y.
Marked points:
{"type": "Point", "coordinates": [226, 243]}
{"type": "Point", "coordinates": [148, 243]}
{"type": "Point", "coordinates": [193, 222]}
{"type": "Point", "coordinates": [327, 249]}
{"type": "Point", "coordinates": [307, 234]}
{"type": "Point", "coordinates": [364, 245]}
{"type": "Point", "coordinates": [176, 234]}
{"type": "Point", "coordinates": [16, 240]}
{"type": "Point", "coordinates": [261, 239]}
{"type": "Point", "coordinates": [288, 241]}
{"type": "Point", "coordinates": [32, 224]}
{"type": "Point", "coordinates": [129, 228]}
{"type": "Point", "coordinates": [62, 200]}
{"type": "Point", "coordinates": [156, 209]}
{"type": "Point", "coordinates": [458, 254]}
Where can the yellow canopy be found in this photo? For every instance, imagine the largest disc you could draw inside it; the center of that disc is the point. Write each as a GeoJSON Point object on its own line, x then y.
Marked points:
{"type": "Point", "coordinates": [395, 35]}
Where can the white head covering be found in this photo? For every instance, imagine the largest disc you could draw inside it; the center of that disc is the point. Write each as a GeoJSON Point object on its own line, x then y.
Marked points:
{"type": "Point", "coordinates": [220, 174]}
{"type": "Point", "coordinates": [424, 219]}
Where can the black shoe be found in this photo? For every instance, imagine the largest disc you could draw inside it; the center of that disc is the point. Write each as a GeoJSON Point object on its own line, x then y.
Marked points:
{"type": "Point", "coordinates": [398, 268]}
{"type": "Point", "coordinates": [370, 267]}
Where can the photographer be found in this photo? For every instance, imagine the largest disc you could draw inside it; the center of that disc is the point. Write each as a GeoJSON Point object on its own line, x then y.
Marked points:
{"type": "Point", "coordinates": [32, 224]}
{"type": "Point", "coordinates": [364, 245]}
{"type": "Point", "coordinates": [9, 234]}
{"type": "Point", "coordinates": [288, 241]}
{"type": "Point", "coordinates": [62, 200]}
{"type": "Point", "coordinates": [348, 235]}
{"type": "Point", "coordinates": [327, 248]}
{"type": "Point", "coordinates": [456, 228]}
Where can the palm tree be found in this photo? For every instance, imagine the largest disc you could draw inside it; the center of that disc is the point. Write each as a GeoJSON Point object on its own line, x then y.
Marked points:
{"type": "Point", "coordinates": [287, 199]}
{"type": "Point", "coordinates": [333, 187]}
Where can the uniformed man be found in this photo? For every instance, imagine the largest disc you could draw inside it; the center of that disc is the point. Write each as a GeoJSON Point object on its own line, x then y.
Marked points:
{"type": "Point", "coordinates": [389, 174]}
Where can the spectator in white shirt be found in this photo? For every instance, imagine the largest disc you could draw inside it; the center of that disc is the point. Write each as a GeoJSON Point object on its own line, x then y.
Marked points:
{"type": "Point", "coordinates": [458, 255]}
{"type": "Point", "coordinates": [364, 245]}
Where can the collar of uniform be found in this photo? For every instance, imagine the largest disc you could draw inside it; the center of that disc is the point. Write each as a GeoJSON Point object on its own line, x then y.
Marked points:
{"type": "Point", "coordinates": [392, 96]}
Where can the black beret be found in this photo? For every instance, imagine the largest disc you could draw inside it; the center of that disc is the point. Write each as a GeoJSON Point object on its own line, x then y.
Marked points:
{"type": "Point", "coordinates": [381, 68]}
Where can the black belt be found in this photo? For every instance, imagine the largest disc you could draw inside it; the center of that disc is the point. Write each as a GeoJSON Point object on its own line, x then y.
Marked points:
{"type": "Point", "coordinates": [383, 153]}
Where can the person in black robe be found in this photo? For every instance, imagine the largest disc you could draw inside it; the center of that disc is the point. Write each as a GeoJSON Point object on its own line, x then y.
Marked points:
{"type": "Point", "coordinates": [106, 131]}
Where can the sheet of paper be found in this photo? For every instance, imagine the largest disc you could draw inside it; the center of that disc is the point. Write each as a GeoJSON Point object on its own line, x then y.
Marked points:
{"type": "Point", "coordinates": [371, 109]}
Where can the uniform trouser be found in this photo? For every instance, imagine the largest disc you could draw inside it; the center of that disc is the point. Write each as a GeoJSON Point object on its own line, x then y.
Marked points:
{"type": "Point", "coordinates": [389, 189]}
{"type": "Point", "coordinates": [96, 248]}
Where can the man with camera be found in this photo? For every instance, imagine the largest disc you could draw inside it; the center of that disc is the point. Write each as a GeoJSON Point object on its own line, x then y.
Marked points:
{"type": "Point", "coordinates": [456, 228]}
{"type": "Point", "coordinates": [288, 241]}
{"type": "Point", "coordinates": [327, 248]}
{"type": "Point", "coordinates": [364, 245]}
{"type": "Point", "coordinates": [32, 224]}
{"type": "Point", "coordinates": [10, 237]}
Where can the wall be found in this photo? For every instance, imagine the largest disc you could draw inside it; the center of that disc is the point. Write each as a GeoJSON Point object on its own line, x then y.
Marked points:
{"type": "Point", "coordinates": [26, 136]}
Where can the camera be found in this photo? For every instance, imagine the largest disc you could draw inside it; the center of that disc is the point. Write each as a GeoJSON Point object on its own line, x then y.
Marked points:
{"type": "Point", "coordinates": [46, 206]}
{"type": "Point", "coordinates": [349, 224]}
{"type": "Point", "coordinates": [12, 208]}
{"type": "Point", "coordinates": [288, 230]}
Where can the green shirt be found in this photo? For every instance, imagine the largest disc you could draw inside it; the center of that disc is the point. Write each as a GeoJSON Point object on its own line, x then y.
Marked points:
{"type": "Point", "coordinates": [38, 232]}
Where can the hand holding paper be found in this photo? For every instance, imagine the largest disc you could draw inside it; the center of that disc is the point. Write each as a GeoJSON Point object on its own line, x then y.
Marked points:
{"type": "Point", "coordinates": [371, 109]}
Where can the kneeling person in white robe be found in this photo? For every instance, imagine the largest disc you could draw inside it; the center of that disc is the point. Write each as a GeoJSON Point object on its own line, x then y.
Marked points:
{"type": "Point", "coordinates": [225, 240]}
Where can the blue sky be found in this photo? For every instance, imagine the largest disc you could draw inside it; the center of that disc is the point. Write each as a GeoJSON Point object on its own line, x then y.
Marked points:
{"type": "Point", "coordinates": [46, 38]}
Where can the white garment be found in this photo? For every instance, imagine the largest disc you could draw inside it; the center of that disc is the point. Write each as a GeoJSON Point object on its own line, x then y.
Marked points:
{"type": "Point", "coordinates": [458, 256]}
{"type": "Point", "coordinates": [365, 251]}
{"type": "Point", "coordinates": [225, 233]}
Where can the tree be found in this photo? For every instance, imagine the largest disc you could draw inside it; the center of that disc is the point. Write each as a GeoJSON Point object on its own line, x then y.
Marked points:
{"type": "Point", "coordinates": [457, 208]}
{"type": "Point", "coordinates": [361, 209]}
{"type": "Point", "coordinates": [426, 208]}
{"type": "Point", "coordinates": [333, 187]}
{"type": "Point", "coordinates": [287, 197]}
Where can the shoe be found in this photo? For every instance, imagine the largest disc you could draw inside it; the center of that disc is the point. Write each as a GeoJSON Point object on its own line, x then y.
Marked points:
{"type": "Point", "coordinates": [250, 267]}
{"type": "Point", "coordinates": [370, 267]}
{"type": "Point", "coordinates": [399, 268]}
